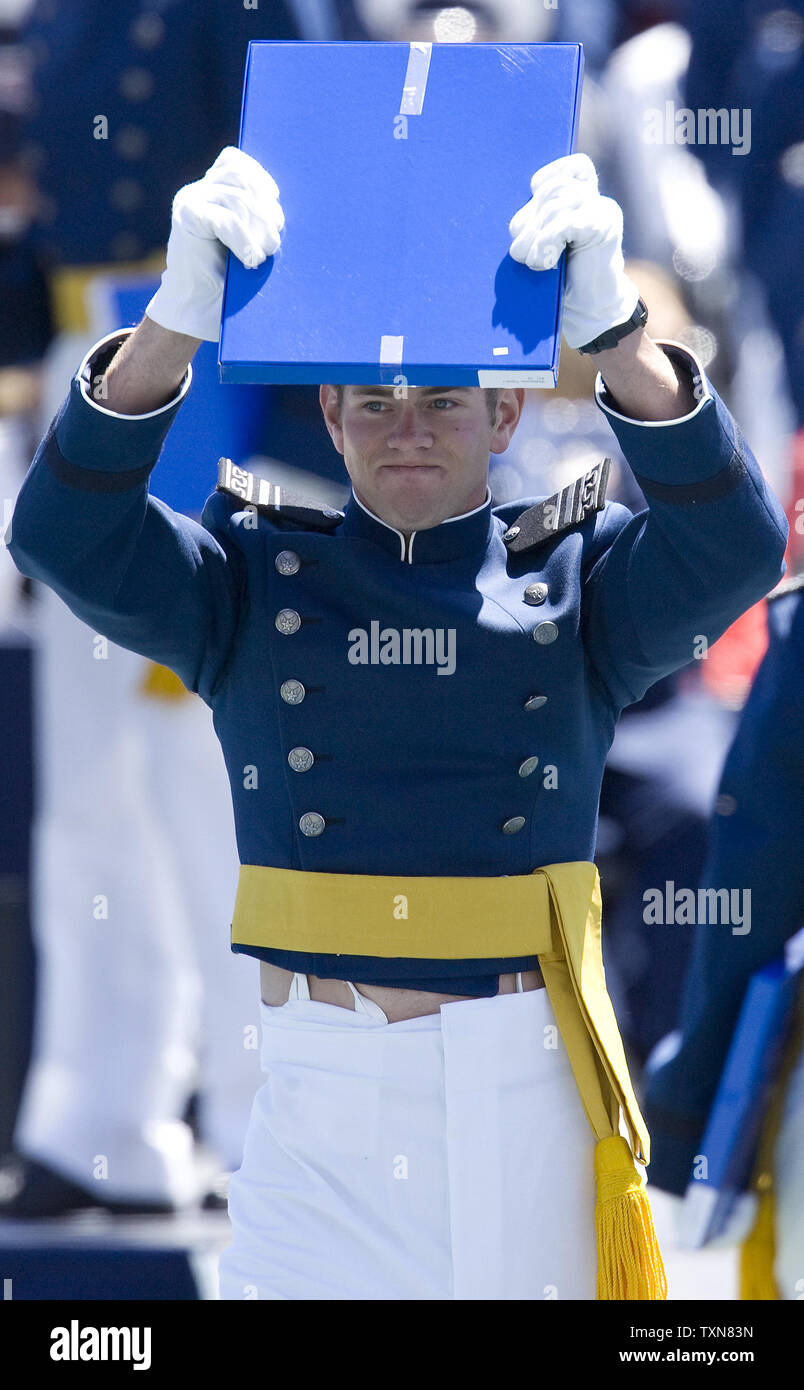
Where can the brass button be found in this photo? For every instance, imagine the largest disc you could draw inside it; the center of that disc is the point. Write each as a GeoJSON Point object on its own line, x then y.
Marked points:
{"type": "Point", "coordinates": [535, 594]}
{"type": "Point", "coordinates": [528, 766]}
{"type": "Point", "coordinates": [123, 246]}
{"type": "Point", "coordinates": [312, 823]}
{"type": "Point", "coordinates": [126, 194]}
{"type": "Point", "coordinates": [544, 633]}
{"type": "Point", "coordinates": [136, 84]}
{"type": "Point", "coordinates": [288, 621]}
{"type": "Point", "coordinates": [300, 759]}
{"type": "Point", "coordinates": [287, 562]}
{"type": "Point", "coordinates": [131, 142]}
{"type": "Point", "coordinates": [513, 825]}
{"type": "Point", "coordinates": [148, 30]}
{"type": "Point", "coordinates": [292, 692]}
{"type": "Point", "coordinates": [536, 702]}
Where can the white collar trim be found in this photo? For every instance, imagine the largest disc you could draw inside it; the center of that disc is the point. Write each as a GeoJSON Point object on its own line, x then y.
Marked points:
{"type": "Point", "coordinates": [413, 534]}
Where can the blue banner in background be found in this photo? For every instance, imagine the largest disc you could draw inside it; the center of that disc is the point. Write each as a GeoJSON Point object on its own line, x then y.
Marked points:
{"type": "Point", "coordinates": [215, 419]}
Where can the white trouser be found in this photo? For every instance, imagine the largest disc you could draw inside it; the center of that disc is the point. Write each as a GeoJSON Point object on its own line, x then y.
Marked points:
{"type": "Point", "coordinates": [789, 1187]}
{"type": "Point", "coordinates": [442, 1157]}
{"type": "Point", "coordinates": [139, 999]}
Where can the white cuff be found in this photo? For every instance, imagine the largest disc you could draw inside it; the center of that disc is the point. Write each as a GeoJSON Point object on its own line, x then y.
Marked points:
{"type": "Point", "coordinates": [84, 381]}
{"type": "Point", "coordinates": [700, 384]}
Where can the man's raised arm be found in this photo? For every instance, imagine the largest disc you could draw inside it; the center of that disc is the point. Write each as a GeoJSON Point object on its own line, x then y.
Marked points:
{"type": "Point", "coordinates": [147, 577]}
{"type": "Point", "coordinates": [662, 586]}
{"type": "Point", "coordinates": [147, 371]}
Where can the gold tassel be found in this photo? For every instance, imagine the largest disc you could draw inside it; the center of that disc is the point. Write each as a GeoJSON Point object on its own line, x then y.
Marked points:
{"type": "Point", "coordinates": [629, 1261]}
{"type": "Point", "coordinates": [758, 1251]}
{"type": "Point", "coordinates": [162, 684]}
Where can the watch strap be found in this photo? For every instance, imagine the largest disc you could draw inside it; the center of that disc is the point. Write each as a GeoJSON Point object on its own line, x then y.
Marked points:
{"type": "Point", "coordinates": [613, 336]}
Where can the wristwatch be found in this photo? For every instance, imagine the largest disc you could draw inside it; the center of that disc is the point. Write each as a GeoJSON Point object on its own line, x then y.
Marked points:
{"type": "Point", "coordinates": [612, 336]}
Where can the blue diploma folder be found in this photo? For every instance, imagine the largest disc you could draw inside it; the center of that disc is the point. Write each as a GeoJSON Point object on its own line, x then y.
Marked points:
{"type": "Point", "coordinates": [399, 168]}
{"type": "Point", "coordinates": [733, 1130]}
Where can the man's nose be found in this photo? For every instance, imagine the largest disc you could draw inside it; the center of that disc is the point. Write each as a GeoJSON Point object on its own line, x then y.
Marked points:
{"type": "Point", "coordinates": [409, 428]}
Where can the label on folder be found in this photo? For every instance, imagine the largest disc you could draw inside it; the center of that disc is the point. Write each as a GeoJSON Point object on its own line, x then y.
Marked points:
{"type": "Point", "coordinates": [399, 168]}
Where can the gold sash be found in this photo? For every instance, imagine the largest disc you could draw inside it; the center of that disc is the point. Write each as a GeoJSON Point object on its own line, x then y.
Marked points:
{"type": "Point", "coordinates": [553, 913]}
{"type": "Point", "coordinates": [161, 683]}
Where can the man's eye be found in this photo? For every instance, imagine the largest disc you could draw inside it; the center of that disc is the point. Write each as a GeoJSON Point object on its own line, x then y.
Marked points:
{"type": "Point", "coordinates": [376, 407]}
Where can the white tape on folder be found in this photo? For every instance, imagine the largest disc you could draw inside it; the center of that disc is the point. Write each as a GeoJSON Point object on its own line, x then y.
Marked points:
{"type": "Point", "coordinates": [415, 79]}
{"type": "Point", "coordinates": [391, 350]}
{"type": "Point", "coordinates": [411, 105]}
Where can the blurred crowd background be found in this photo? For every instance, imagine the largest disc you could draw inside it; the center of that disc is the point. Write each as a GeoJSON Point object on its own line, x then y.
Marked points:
{"type": "Point", "coordinates": [714, 239]}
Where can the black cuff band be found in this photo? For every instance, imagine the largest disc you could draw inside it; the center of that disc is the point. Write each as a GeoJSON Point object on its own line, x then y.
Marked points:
{"type": "Point", "coordinates": [688, 494]}
{"type": "Point", "coordinates": [91, 479]}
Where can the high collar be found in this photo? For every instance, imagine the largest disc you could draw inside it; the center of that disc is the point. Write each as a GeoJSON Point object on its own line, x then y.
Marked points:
{"type": "Point", "coordinates": [449, 540]}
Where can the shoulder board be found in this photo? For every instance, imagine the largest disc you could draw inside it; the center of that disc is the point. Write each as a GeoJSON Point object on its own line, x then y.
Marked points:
{"type": "Point", "coordinates": [793, 585]}
{"type": "Point", "coordinates": [278, 503]}
{"type": "Point", "coordinates": [573, 504]}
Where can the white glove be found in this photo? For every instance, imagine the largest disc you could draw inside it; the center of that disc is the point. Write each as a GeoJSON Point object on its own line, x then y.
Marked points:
{"type": "Point", "coordinates": [567, 210]}
{"type": "Point", "coordinates": [235, 205]}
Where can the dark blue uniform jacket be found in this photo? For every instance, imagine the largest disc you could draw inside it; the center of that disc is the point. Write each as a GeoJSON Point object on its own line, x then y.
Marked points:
{"type": "Point", "coordinates": [755, 844]}
{"type": "Point", "coordinates": [493, 769]}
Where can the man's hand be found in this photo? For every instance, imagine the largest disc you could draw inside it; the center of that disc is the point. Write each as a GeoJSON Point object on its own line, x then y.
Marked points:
{"type": "Point", "coordinates": [566, 211]}
{"type": "Point", "coordinates": [235, 205]}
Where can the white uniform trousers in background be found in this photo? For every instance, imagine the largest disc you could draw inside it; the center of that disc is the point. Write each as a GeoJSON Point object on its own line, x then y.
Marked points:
{"type": "Point", "coordinates": [442, 1157]}
{"type": "Point", "coordinates": [139, 999]}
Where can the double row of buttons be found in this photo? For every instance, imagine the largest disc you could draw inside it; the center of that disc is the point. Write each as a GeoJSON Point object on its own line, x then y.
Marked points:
{"type": "Point", "coordinates": [301, 759]}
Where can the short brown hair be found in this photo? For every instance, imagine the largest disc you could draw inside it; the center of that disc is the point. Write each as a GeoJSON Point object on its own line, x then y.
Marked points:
{"type": "Point", "coordinates": [490, 393]}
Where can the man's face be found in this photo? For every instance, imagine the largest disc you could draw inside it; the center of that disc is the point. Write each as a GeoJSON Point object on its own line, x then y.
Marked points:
{"type": "Point", "coordinates": [416, 461]}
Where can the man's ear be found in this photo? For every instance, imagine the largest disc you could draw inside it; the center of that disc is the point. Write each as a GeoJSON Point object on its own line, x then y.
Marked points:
{"type": "Point", "coordinates": [328, 399]}
{"type": "Point", "coordinates": [509, 410]}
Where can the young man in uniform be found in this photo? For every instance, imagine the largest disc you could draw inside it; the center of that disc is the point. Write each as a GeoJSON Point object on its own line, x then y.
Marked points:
{"type": "Point", "coordinates": [415, 698]}
{"type": "Point", "coordinates": [755, 839]}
